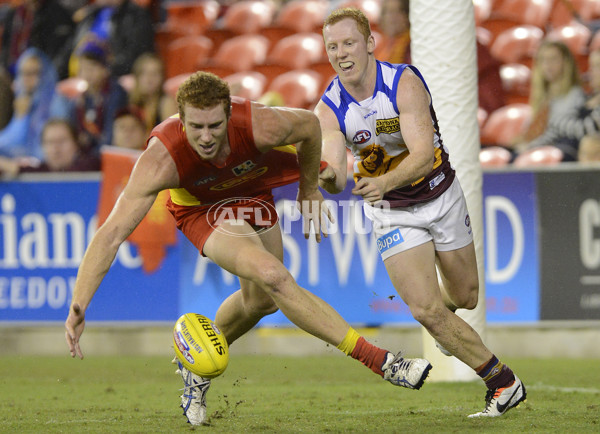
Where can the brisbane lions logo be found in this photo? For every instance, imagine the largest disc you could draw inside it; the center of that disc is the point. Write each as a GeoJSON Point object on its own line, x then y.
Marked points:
{"type": "Point", "coordinates": [372, 158]}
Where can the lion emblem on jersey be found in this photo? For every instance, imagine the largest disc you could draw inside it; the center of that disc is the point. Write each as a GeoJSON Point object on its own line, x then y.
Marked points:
{"type": "Point", "coordinates": [375, 161]}
{"type": "Point", "coordinates": [372, 158]}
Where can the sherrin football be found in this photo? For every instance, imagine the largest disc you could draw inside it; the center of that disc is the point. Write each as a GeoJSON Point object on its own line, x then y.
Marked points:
{"type": "Point", "coordinates": [200, 346]}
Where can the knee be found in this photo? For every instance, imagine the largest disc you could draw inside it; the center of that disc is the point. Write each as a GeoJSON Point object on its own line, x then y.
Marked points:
{"type": "Point", "coordinates": [469, 297]}
{"type": "Point", "coordinates": [260, 307]}
{"type": "Point", "coordinates": [273, 277]}
{"type": "Point", "coordinates": [428, 315]}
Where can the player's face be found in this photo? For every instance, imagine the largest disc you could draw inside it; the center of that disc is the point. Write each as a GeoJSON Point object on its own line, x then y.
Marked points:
{"type": "Point", "coordinates": [347, 50]}
{"type": "Point", "coordinates": [206, 130]}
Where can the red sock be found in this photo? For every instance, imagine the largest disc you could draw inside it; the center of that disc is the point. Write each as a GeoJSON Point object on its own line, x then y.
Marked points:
{"type": "Point", "coordinates": [369, 355]}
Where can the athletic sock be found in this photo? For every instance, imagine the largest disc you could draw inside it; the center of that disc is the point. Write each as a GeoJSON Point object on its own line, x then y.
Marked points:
{"type": "Point", "coordinates": [360, 349]}
{"type": "Point", "coordinates": [495, 374]}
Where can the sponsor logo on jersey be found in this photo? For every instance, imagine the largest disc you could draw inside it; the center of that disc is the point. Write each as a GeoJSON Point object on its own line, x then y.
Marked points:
{"type": "Point", "coordinates": [387, 126]}
{"type": "Point", "coordinates": [436, 181]}
{"type": "Point", "coordinates": [204, 180]}
{"type": "Point", "coordinates": [389, 240]}
{"type": "Point", "coordinates": [368, 115]}
{"type": "Point", "coordinates": [245, 167]}
{"type": "Point", "coordinates": [468, 223]}
{"type": "Point", "coordinates": [230, 183]}
{"type": "Point", "coordinates": [362, 136]}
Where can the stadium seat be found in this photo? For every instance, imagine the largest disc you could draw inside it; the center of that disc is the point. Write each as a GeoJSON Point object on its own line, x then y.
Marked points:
{"type": "Point", "coordinates": [247, 84]}
{"type": "Point", "coordinates": [531, 12]}
{"type": "Point", "coordinates": [248, 16]}
{"type": "Point", "coordinates": [494, 156]}
{"type": "Point", "coordinates": [184, 54]}
{"type": "Point", "coordinates": [371, 8]}
{"type": "Point", "coordinates": [504, 124]}
{"type": "Point", "coordinates": [483, 36]}
{"type": "Point", "coordinates": [71, 87]}
{"type": "Point", "coordinates": [324, 69]}
{"type": "Point", "coordinates": [239, 53]}
{"type": "Point", "coordinates": [482, 116]}
{"type": "Point", "coordinates": [302, 16]}
{"type": "Point", "coordinates": [565, 12]}
{"type": "Point", "coordinates": [517, 44]}
{"type": "Point", "coordinates": [191, 17]}
{"type": "Point", "coordinates": [483, 9]}
{"type": "Point", "coordinates": [218, 36]}
{"type": "Point", "coordinates": [299, 88]}
{"type": "Point", "coordinates": [274, 33]}
{"type": "Point", "coordinates": [171, 85]}
{"type": "Point", "coordinates": [271, 71]}
{"type": "Point", "coordinates": [516, 82]}
{"type": "Point", "coordinates": [577, 37]}
{"type": "Point", "coordinates": [542, 156]}
{"type": "Point", "coordinates": [298, 51]}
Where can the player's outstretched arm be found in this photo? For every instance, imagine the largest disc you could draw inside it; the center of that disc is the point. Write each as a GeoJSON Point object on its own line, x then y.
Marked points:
{"type": "Point", "coordinates": [154, 171]}
{"type": "Point", "coordinates": [333, 178]}
{"type": "Point", "coordinates": [276, 126]}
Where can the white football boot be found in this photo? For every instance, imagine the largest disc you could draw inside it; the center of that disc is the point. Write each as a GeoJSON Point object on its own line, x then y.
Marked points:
{"type": "Point", "coordinates": [499, 401]}
{"type": "Point", "coordinates": [193, 399]}
{"type": "Point", "coordinates": [410, 373]}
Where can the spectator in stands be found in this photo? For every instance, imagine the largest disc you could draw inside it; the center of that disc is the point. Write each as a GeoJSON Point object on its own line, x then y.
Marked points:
{"type": "Point", "coordinates": [129, 129]}
{"type": "Point", "coordinates": [395, 27]}
{"type": "Point", "coordinates": [61, 153]}
{"type": "Point", "coordinates": [556, 94]}
{"type": "Point", "coordinates": [123, 25]}
{"type": "Point", "coordinates": [92, 112]}
{"type": "Point", "coordinates": [589, 149]}
{"type": "Point", "coordinates": [6, 97]}
{"type": "Point", "coordinates": [148, 94]}
{"type": "Point", "coordinates": [43, 24]}
{"type": "Point", "coordinates": [395, 48]}
{"type": "Point", "coordinates": [34, 87]}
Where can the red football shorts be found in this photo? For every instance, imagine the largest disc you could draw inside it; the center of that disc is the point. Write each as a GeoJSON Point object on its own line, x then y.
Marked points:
{"type": "Point", "coordinates": [198, 222]}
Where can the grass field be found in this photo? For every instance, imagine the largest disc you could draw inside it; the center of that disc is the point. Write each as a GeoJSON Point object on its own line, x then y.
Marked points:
{"type": "Point", "coordinates": [282, 394]}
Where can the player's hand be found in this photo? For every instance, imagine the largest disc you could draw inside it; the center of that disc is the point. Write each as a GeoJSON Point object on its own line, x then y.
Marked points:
{"type": "Point", "coordinates": [371, 189]}
{"type": "Point", "coordinates": [313, 208]}
{"type": "Point", "coordinates": [74, 326]}
{"type": "Point", "coordinates": [327, 175]}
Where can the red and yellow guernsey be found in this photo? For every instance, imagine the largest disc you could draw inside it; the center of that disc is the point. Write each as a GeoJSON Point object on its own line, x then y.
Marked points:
{"type": "Point", "coordinates": [247, 172]}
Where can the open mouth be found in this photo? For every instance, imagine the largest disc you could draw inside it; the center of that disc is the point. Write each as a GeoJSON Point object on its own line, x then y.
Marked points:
{"type": "Point", "coordinates": [346, 66]}
{"type": "Point", "coordinates": [207, 148]}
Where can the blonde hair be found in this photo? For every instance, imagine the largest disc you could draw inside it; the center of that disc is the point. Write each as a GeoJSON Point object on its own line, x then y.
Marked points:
{"type": "Point", "coordinates": [540, 87]}
{"type": "Point", "coordinates": [362, 22]}
{"type": "Point", "coordinates": [204, 90]}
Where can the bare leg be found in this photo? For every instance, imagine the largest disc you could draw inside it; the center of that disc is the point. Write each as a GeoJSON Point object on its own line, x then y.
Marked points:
{"type": "Point", "coordinates": [419, 289]}
{"type": "Point", "coordinates": [243, 309]}
{"type": "Point", "coordinates": [459, 276]}
{"type": "Point", "coordinates": [246, 256]}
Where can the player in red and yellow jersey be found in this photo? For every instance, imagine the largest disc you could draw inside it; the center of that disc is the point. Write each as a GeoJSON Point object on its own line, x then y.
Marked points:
{"type": "Point", "coordinates": [220, 160]}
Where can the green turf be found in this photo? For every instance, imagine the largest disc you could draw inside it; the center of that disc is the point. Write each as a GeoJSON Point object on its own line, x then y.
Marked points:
{"type": "Point", "coordinates": [283, 394]}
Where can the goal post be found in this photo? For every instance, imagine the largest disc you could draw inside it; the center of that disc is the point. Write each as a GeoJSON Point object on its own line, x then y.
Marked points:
{"type": "Point", "coordinates": [443, 48]}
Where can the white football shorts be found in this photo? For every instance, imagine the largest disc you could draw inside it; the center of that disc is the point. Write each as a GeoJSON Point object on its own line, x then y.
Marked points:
{"type": "Point", "coordinates": [444, 220]}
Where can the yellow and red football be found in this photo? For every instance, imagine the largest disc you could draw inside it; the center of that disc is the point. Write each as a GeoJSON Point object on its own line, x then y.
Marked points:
{"type": "Point", "coordinates": [200, 346]}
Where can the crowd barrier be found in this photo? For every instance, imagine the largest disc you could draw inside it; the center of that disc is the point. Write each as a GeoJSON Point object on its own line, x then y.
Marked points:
{"type": "Point", "coordinates": [542, 250]}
